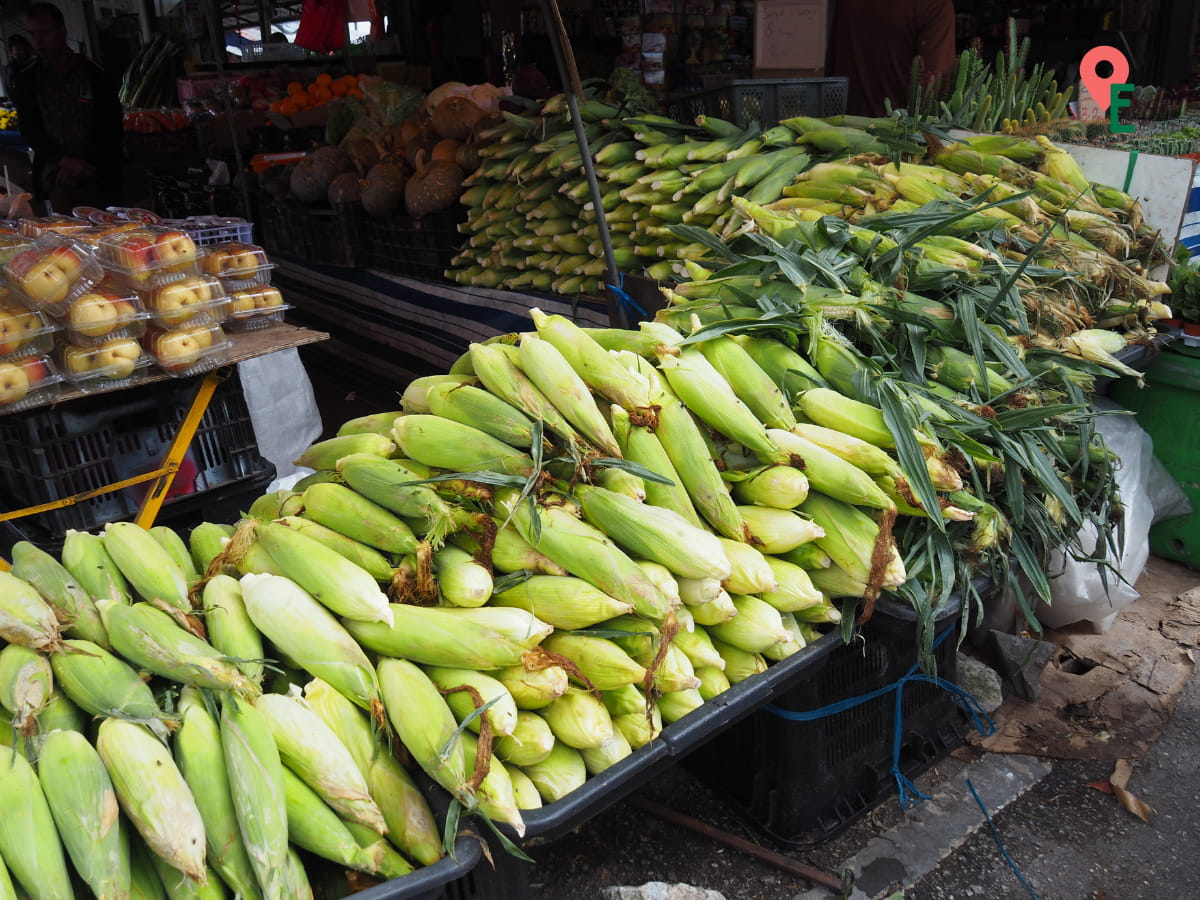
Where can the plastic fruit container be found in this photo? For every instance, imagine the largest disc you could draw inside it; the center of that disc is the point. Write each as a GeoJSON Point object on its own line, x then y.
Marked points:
{"type": "Point", "coordinates": [237, 264]}
{"type": "Point", "coordinates": [146, 256]}
{"type": "Point", "coordinates": [104, 311]}
{"type": "Point", "coordinates": [26, 382]}
{"type": "Point", "coordinates": [11, 245]}
{"type": "Point", "coordinates": [24, 332]}
{"type": "Point", "coordinates": [49, 275]}
{"type": "Point", "coordinates": [194, 347]}
{"type": "Point", "coordinates": [173, 303]}
{"type": "Point", "coordinates": [255, 307]}
{"type": "Point", "coordinates": [117, 362]}
{"type": "Point", "coordinates": [38, 226]}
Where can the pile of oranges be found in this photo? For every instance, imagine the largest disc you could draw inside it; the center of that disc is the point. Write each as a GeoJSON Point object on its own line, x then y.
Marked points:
{"type": "Point", "coordinates": [318, 93]}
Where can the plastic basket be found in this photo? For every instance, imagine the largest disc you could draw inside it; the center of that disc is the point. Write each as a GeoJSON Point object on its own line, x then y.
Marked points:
{"type": "Point", "coordinates": [161, 145]}
{"type": "Point", "coordinates": [421, 248]}
{"type": "Point", "coordinates": [50, 453]}
{"type": "Point", "coordinates": [207, 230]}
{"type": "Point", "coordinates": [766, 101]}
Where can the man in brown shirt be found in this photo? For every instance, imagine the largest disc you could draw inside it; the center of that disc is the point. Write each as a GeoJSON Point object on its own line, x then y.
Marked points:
{"type": "Point", "coordinates": [70, 114]}
{"type": "Point", "coordinates": [873, 43]}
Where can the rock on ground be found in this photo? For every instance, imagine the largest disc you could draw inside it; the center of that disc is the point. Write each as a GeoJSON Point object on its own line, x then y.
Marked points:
{"type": "Point", "coordinates": [660, 890]}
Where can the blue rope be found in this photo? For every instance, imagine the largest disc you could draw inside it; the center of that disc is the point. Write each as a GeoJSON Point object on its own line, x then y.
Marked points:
{"type": "Point", "coordinates": [908, 792]}
{"type": "Point", "coordinates": [999, 843]}
{"type": "Point", "coordinates": [624, 298]}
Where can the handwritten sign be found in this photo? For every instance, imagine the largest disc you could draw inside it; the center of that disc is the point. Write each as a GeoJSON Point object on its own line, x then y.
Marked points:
{"type": "Point", "coordinates": [789, 34]}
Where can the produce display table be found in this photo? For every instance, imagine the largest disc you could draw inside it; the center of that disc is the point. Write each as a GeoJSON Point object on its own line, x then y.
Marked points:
{"type": "Point", "coordinates": [390, 329]}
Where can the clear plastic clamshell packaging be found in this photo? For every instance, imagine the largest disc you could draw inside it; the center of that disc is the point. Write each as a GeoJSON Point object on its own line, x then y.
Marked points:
{"type": "Point", "coordinates": [12, 243]}
{"type": "Point", "coordinates": [173, 303]}
{"type": "Point", "coordinates": [255, 307]}
{"type": "Point", "coordinates": [27, 381]}
{"type": "Point", "coordinates": [24, 332]}
{"type": "Point", "coordinates": [51, 273]}
{"type": "Point", "coordinates": [145, 257]}
{"type": "Point", "coordinates": [117, 362]}
{"type": "Point", "coordinates": [237, 264]}
{"type": "Point", "coordinates": [38, 226]}
{"type": "Point", "coordinates": [103, 312]}
{"type": "Point", "coordinates": [196, 346]}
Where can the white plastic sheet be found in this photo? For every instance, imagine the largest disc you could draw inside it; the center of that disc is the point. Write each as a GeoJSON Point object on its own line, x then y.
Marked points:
{"type": "Point", "coordinates": [282, 407]}
{"type": "Point", "coordinates": [1148, 494]}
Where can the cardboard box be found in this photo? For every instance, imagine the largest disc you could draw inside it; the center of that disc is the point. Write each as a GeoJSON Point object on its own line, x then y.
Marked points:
{"type": "Point", "coordinates": [789, 38]}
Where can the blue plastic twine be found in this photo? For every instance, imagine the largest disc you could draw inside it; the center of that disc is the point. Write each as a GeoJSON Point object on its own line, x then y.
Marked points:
{"type": "Point", "coordinates": [908, 792]}
{"type": "Point", "coordinates": [624, 298]}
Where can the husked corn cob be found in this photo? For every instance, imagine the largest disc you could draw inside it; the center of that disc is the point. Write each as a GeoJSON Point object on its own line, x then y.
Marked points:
{"type": "Point", "coordinates": [338, 507]}
{"type": "Point", "coordinates": [600, 371]}
{"type": "Point", "coordinates": [781, 487]}
{"type": "Point", "coordinates": [750, 572]}
{"type": "Point", "coordinates": [832, 475]}
{"type": "Point", "coordinates": [525, 794]}
{"type": "Point", "coordinates": [562, 602]}
{"type": "Point", "coordinates": [310, 748]}
{"type": "Point", "coordinates": [483, 410]}
{"type": "Point", "coordinates": [73, 605]}
{"type": "Point", "coordinates": [201, 760]}
{"type": "Point", "coordinates": [29, 842]}
{"type": "Point", "coordinates": [549, 370]}
{"type": "Point", "coordinates": [84, 556]}
{"type": "Point", "coordinates": [461, 580]}
{"type": "Point", "coordinates": [852, 540]}
{"type": "Point", "coordinates": [365, 558]}
{"type": "Point", "coordinates": [206, 541]}
{"type": "Point", "coordinates": [446, 444]}
{"type": "Point", "coordinates": [415, 398]}
{"type": "Point", "coordinates": [561, 772]}
{"type": "Point", "coordinates": [588, 553]}
{"type": "Point", "coordinates": [483, 639]}
{"type": "Point", "coordinates": [256, 785]}
{"type": "Point", "coordinates": [374, 423]}
{"type": "Point", "coordinates": [84, 805]}
{"type": "Point", "coordinates": [739, 664]}
{"type": "Point", "coordinates": [795, 589]}
{"type": "Point", "coordinates": [229, 627]}
{"type": "Point", "coordinates": [677, 704]}
{"type": "Point", "coordinates": [425, 725]}
{"type": "Point", "coordinates": [600, 660]}
{"type": "Point", "coordinates": [529, 743]}
{"type": "Point", "coordinates": [153, 794]}
{"type": "Point", "coordinates": [26, 685]}
{"type": "Point", "coordinates": [502, 377]}
{"type": "Point", "coordinates": [146, 565]}
{"type": "Point", "coordinates": [778, 530]}
{"type": "Point", "coordinates": [749, 382]}
{"type": "Point", "coordinates": [151, 639]}
{"type": "Point", "coordinates": [640, 445]}
{"type": "Point", "coordinates": [314, 827]}
{"type": "Point", "coordinates": [170, 541]}
{"type": "Point", "coordinates": [502, 714]}
{"type": "Point", "coordinates": [306, 632]}
{"type": "Point", "coordinates": [712, 681]}
{"type": "Point", "coordinates": [578, 719]}
{"type": "Point", "coordinates": [325, 454]}
{"type": "Point", "coordinates": [533, 688]}
{"type": "Point", "coordinates": [326, 575]}
{"type": "Point", "coordinates": [715, 611]}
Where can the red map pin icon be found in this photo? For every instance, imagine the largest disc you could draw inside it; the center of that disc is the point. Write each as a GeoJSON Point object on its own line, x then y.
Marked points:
{"type": "Point", "coordinates": [1096, 85]}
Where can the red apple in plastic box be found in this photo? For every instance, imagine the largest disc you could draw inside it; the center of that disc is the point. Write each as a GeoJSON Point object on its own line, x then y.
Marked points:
{"type": "Point", "coordinates": [19, 377]}
{"type": "Point", "coordinates": [174, 247]}
{"type": "Point", "coordinates": [46, 276]}
{"type": "Point", "coordinates": [99, 311]}
{"type": "Point", "coordinates": [177, 301]}
{"type": "Point", "coordinates": [116, 358]}
{"type": "Point", "coordinates": [18, 326]}
{"type": "Point", "coordinates": [234, 260]}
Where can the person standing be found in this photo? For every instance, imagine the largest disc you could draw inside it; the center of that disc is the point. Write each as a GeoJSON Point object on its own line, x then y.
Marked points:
{"type": "Point", "coordinates": [874, 42]}
{"type": "Point", "coordinates": [20, 54]}
{"type": "Point", "coordinates": [70, 114]}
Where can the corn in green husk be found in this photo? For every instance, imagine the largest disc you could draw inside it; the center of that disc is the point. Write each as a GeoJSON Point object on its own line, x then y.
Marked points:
{"type": "Point", "coordinates": [473, 406]}
{"type": "Point", "coordinates": [831, 474]}
{"type": "Point", "coordinates": [180, 887]}
{"type": "Point", "coordinates": [562, 602]}
{"type": "Point", "coordinates": [712, 681]}
{"type": "Point", "coordinates": [749, 382]}
{"type": "Point", "coordinates": [271, 506]}
{"type": "Point", "coordinates": [494, 794]}
{"type": "Point", "coordinates": [256, 785]}
{"type": "Point", "coordinates": [558, 774]}
{"type": "Point", "coordinates": [293, 877]}
{"type": "Point", "coordinates": [501, 377]}
{"type": "Point", "coordinates": [715, 611]}
{"type": "Point", "coordinates": [347, 512]}
{"type": "Point", "coordinates": [525, 793]}
{"type": "Point", "coordinates": [779, 530]}
{"type": "Point", "coordinates": [781, 487]}
{"type": "Point", "coordinates": [608, 754]}
{"type": "Point", "coordinates": [314, 827]}
{"type": "Point", "coordinates": [306, 632]}
{"type": "Point", "coordinates": [663, 578]}
{"type": "Point", "coordinates": [229, 627]}
{"type": "Point", "coordinates": [146, 565]}
{"type": "Point", "coordinates": [675, 672]}
{"type": "Point", "coordinates": [697, 646]}
{"type": "Point", "coordinates": [502, 714]}
{"type": "Point", "coordinates": [530, 741]}
{"type": "Point", "coordinates": [600, 371]}
{"type": "Point", "coordinates": [26, 685]}
{"type": "Point", "coordinates": [808, 557]}
{"type": "Point", "coordinates": [8, 892]}
{"type": "Point", "coordinates": [446, 444]}
{"type": "Point", "coordinates": [144, 882]}
{"type": "Point", "coordinates": [29, 841]}
{"type": "Point", "coordinates": [640, 445]}
{"type": "Point", "coordinates": [751, 574]}
{"type": "Point", "coordinates": [739, 664]}
{"type": "Point", "coordinates": [415, 398]}
{"type": "Point", "coordinates": [622, 482]}
{"type": "Point", "coordinates": [153, 794]}
{"type": "Point", "coordinates": [325, 454]}
{"type": "Point", "coordinates": [600, 660]}
{"type": "Point", "coordinates": [425, 725]}
{"type": "Point", "coordinates": [405, 810]}
{"type": "Point", "coordinates": [84, 556]}
{"type": "Point", "coordinates": [310, 748]}
{"type": "Point", "coordinates": [72, 604]}
{"type": "Point", "coordinates": [677, 704]}
{"type": "Point", "coordinates": [462, 581]}
{"type": "Point", "coordinates": [364, 557]}
{"type": "Point", "coordinates": [207, 541]}
{"type": "Point", "coordinates": [60, 714]}
{"type": "Point", "coordinates": [171, 542]}
{"type": "Point", "coordinates": [536, 685]}
{"type": "Point", "coordinates": [578, 719]}
{"type": "Point", "coordinates": [483, 639]}
{"type": "Point", "coordinates": [549, 370]}
{"type": "Point", "coordinates": [866, 456]}
{"type": "Point", "coordinates": [695, 591]}
{"type": "Point", "coordinates": [201, 760]}
{"type": "Point", "coordinates": [374, 423]}
{"type": "Point", "coordinates": [756, 626]}
{"type": "Point", "coordinates": [103, 684]}
{"type": "Point", "coordinates": [852, 539]}
{"type": "Point", "coordinates": [151, 639]}
{"type": "Point", "coordinates": [639, 728]}
{"type": "Point", "coordinates": [795, 588]}
{"type": "Point", "coordinates": [25, 618]}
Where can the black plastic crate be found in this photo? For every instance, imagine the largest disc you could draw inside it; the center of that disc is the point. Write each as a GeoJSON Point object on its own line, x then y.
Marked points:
{"type": "Point", "coordinates": [802, 782]}
{"type": "Point", "coordinates": [279, 226]}
{"type": "Point", "coordinates": [765, 100]}
{"type": "Point", "coordinates": [51, 453]}
{"type": "Point", "coordinates": [420, 248]}
{"type": "Point", "coordinates": [332, 237]}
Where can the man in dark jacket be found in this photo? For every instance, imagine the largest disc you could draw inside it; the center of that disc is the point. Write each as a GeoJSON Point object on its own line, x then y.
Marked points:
{"type": "Point", "coordinates": [70, 114]}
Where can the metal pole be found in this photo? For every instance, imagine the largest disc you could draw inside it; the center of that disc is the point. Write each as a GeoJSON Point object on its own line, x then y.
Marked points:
{"type": "Point", "coordinates": [564, 56]}
{"type": "Point", "coordinates": [216, 32]}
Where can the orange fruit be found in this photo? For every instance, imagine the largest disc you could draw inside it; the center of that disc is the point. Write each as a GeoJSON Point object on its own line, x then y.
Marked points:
{"type": "Point", "coordinates": [302, 101]}
{"type": "Point", "coordinates": [288, 107]}
{"type": "Point", "coordinates": [277, 106]}
{"type": "Point", "coordinates": [295, 87]}
{"type": "Point", "coordinates": [321, 95]}
{"type": "Point", "coordinates": [338, 89]}
{"type": "Point", "coordinates": [324, 79]}
{"type": "Point", "coordinates": [355, 92]}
